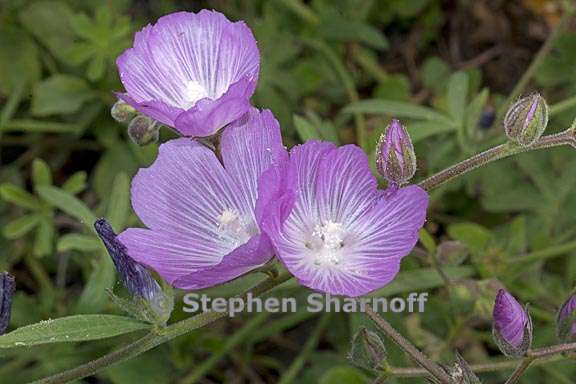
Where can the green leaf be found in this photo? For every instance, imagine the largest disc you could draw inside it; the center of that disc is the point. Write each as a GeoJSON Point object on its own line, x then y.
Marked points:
{"type": "Point", "coordinates": [49, 22]}
{"type": "Point", "coordinates": [71, 329]}
{"type": "Point", "coordinates": [457, 94]}
{"type": "Point", "coordinates": [119, 205]}
{"type": "Point", "coordinates": [75, 183]}
{"type": "Point", "coordinates": [305, 129]}
{"type": "Point", "coordinates": [421, 130]}
{"type": "Point", "coordinates": [335, 27]}
{"type": "Point", "coordinates": [21, 226]}
{"type": "Point", "coordinates": [475, 236]}
{"type": "Point", "coordinates": [396, 109]}
{"type": "Point", "coordinates": [19, 61]}
{"type": "Point", "coordinates": [78, 242]}
{"type": "Point", "coordinates": [474, 111]}
{"type": "Point", "coordinates": [435, 73]}
{"type": "Point", "coordinates": [342, 375]}
{"type": "Point", "coordinates": [102, 278]}
{"type": "Point", "coordinates": [427, 241]}
{"type": "Point", "coordinates": [16, 195]}
{"type": "Point", "coordinates": [68, 203]}
{"type": "Point", "coordinates": [60, 94]}
{"type": "Point", "coordinates": [30, 125]}
{"type": "Point", "coordinates": [44, 238]}
{"type": "Point", "coordinates": [41, 174]}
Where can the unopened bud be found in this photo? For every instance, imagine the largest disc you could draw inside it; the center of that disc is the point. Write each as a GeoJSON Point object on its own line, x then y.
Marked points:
{"type": "Point", "coordinates": [395, 157]}
{"type": "Point", "coordinates": [122, 112]}
{"type": "Point", "coordinates": [512, 327]}
{"type": "Point", "coordinates": [368, 350]}
{"type": "Point", "coordinates": [7, 287]}
{"type": "Point", "coordinates": [143, 130]}
{"type": "Point", "coordinates": [566, 320]}
{"type": "Point", "coordinates": [462, 372]}
{"type": "Point", "coordinates": [526, 120]}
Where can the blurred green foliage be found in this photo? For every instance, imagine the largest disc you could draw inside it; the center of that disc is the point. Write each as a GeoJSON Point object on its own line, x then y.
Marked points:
{"type": "Point", "coordinates": [329, 70]}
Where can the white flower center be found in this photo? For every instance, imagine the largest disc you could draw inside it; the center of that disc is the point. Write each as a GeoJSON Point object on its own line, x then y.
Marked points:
{"type": "Point", "coordinates": [193, 92]}
{"type": "Point", "coordinates": [326, 241]}
{"type": "Point", "coordinates": [232, 225]}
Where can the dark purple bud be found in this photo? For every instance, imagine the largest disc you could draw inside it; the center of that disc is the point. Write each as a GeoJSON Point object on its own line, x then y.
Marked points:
{"type": "Point", "coordinates": [526, 120]}
{"type": "Point", "coordinates": [512, 327]}
{"type": "Point", "coordinates": [566, 320]}
{"type": "Point", "coordinates": [134, 276]}
{"type": "Point", "coordinates": [395, 157]}
{"type": "Point", "coordinates": [143, 130]}
{"type": "Point", "coordinates": [7, 288]}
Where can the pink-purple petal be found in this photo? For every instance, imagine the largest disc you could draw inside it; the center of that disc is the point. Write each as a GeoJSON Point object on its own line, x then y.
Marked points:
{"type": "Point", "coordinates": [243, 259]}
{"type": "Point", "coordinates": [342, 236]}
{"type": "Point", "coordinates": [199, 70]}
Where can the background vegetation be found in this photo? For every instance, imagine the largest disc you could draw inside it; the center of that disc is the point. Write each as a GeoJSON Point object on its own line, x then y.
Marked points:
{"type": "Point", "coordinates": [335, 70]}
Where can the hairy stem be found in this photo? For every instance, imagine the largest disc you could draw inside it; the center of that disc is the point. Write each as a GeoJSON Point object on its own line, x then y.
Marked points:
{"type": "Point", "coordinates": [519, 371]}
{"type": "Point", "coordinates": [539, 356]}
{"type": "Point", "coordinates": [429, 366]}
{"type": "Point", "coordinates": [499, 152]}
{"type": "Point", "coordinates": [152, 340]}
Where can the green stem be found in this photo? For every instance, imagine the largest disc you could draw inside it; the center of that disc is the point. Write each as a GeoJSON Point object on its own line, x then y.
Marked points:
{"type": "Point", "coordinates": [290, 375]}
{"type": "Point", "coordinates": [152, 340]}
{"type": "Point", "coordinates": [301, 10]}
{"type": "Point", "coordinates": [430, 367]}
{"type": "Point", "coordinates": [544, 254]}
{"type": "Point", "coordinates": [531, 70]}
{"type": "Point", "coordinates": [477, 368]}
{"type": "Point", "coordinates": [230, 344]}
{"type": "Point", "coordinates": [347, 82]}
{"type": "Point", "coordinates": [539, 356]}
{"type": "Point", "coordinates": [499, 152]}
{"type": "Point", "coordinates": [562, 106]}
{"type": "Point", "coordinates": [519, 371]}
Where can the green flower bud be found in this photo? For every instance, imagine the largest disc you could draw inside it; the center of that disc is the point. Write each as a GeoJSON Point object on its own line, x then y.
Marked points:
{"type": "Point", "coordinates": [143, 130]}
{"type": "Point", "coordinates": [368, 350]}
{"type": "Point", "coordinates": [526, 120]}
{"type": "Point", "coordinates": [122, 112]}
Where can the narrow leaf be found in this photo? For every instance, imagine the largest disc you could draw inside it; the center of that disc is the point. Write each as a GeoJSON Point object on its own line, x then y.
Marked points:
{"type": "Point", "coordinates": [67, 203]}
{"type": "Point", "coordinates": [119, 205]}
{"type": "Point", "coordinates": [71, 329]}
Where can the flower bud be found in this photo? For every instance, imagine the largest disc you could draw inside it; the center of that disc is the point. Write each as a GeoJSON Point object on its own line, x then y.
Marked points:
{"type": "Point", "coordinates": [462, 373]}
{"type": "Point", "coordinates": [512, 327]}
{"type": "Point", "coordinates": [395, 157]}
{"type": "Point", "coordinates": [122, 112]}
{"type": "Point", "coordinates": [368, 350]}
{"type": "Point", "coordinates": [566, 320]}
{"type": "Point", "coordinates": [153, 303]}
{"type": "Point", "coordinates": [134, 276]}
{"type": "Point", "coordinates": [526, 120]}
{"type": "Point", "coordinates": [143, 130]}
{"type": "Point", "coordinates": [7, 287]}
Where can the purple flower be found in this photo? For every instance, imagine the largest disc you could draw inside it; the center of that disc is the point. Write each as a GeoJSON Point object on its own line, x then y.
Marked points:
{"type": "Point", "coordinates": [7, 287]}
{"type": "Point", "coordinates": [343, 236]}
{"type": "Point", "coordinates": [135, 277]}
{"type": "Point", "coordinates": [512, 327]}
{"type": "Point", "coordinates": [192, 71]}
{"type": "Point", "coordinates": [203, 213]}
{"type": "Point", "coordinates": [395, 157]}
{"type": "Point", "coordinates": [566, 320]}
